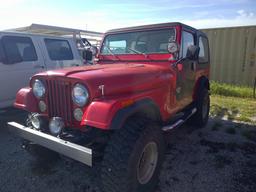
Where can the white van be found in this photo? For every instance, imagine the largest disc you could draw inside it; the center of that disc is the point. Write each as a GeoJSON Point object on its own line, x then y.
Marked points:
{"type": "Point", "coordinates": [23, 55]}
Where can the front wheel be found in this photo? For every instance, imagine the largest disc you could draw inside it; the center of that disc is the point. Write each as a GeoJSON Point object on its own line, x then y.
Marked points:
{"type": "Point", "coordinates": [133, 159]}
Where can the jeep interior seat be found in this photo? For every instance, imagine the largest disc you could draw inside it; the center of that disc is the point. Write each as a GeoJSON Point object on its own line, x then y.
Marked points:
{"type": "Point", "coordinates": [13, 54]}
{"type": "Point", "coordinates": [141, 48]}
{"type": "Point", "coordinates": [29, 54]}
{"type": "Point", "coordinates": [163, 47]}
{"type": "Point", "coordinates": [65, 53]}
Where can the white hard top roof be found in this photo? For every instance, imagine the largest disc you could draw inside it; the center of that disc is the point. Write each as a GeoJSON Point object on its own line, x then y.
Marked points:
{"type": "Point", "coordinates": [59, 31]}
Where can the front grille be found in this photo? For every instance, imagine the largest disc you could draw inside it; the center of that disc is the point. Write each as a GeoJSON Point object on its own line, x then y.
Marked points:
{"type": "Point", "coordinates": [59, 100]}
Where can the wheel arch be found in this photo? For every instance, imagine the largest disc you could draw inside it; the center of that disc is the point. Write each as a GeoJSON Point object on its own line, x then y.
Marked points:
{"type": "Point", "coordinates": [145, 108]}
{"type": "Point", "coordinates": [202, 82]}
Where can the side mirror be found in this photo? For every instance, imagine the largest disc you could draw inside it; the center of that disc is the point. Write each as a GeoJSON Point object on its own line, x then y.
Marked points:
{"type": "Point", "coordinates": [192, 52]}
{"type": "Point", "coordinates": [94, 50]}
{"type": "Point", "coordinates": [87, 55]}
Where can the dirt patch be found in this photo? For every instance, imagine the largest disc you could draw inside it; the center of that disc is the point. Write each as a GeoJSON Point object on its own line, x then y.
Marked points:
{"type": "Point", "coordinates": [245, 178]}
{"type": "Point", "coordinates": [197, 160]}
{"type": "Point", "coordinates": [221, 161]}
{"type": "Point", "coordinates": [250, 135]}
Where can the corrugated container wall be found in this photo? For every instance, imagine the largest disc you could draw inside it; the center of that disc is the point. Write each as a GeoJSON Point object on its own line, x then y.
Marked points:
{"type": "Point", "coordinates": [233, 54]}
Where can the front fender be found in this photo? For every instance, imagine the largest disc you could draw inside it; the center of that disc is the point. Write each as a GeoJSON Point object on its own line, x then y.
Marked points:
{"type": "Point", "coordinates": [112, 114]}
{"type": "Point", "coordinates": [99, 113]}
{"type": "Point", "coordinates": [26, 100]}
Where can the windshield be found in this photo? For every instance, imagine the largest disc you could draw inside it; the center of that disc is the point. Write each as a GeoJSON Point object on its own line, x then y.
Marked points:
{"type": "Point", "coordinates": [142, 42]}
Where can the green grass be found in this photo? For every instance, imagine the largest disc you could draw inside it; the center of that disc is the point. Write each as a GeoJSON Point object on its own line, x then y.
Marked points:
{"type": "Point", "coordinates": [233, 108]}
{"type": "Point", "coordinates": [231, 90]}
{"type": "Point", "coordinates": [233, 102]}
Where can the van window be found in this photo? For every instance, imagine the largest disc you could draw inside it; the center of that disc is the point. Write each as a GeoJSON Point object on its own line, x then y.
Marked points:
{"type": "Point", "coordinates": [1, 53]}
{"type": "Point", "coordinates": [58, 49]}
{"type": "Point", "coordinates": [187, 40]}
{"type": "Point", "coordinates": [203, 53]}
{"type": "Point", "coordinates": [18, 49]}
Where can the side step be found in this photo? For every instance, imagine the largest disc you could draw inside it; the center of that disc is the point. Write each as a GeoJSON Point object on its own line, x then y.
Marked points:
{"type": "Point", "coordinates": [180, 121]}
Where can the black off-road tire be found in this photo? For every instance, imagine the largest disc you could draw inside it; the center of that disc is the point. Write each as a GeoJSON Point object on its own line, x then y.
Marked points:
{"type": "Point", "coordinates": [123, 156]}
{"type": "Point", "coordinates": [200, 118]}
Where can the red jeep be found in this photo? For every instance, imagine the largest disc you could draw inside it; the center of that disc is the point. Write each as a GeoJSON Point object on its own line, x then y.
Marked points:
{"type": "Point", "coordinates": [146, 81]}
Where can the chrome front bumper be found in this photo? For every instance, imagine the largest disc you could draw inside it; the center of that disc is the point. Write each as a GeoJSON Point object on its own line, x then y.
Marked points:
{"type": "Point", "coordinates": [72, 150]}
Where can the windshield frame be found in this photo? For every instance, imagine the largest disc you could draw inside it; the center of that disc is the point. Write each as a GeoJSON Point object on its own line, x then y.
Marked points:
{"type": "Point", "coordinates": [134, 31]}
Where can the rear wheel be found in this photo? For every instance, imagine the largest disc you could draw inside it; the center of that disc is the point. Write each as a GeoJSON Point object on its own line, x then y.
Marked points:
{"type": "Point", "coordinates": [133, 159]}
{"type": "Point", "coordinates": [200, 118]}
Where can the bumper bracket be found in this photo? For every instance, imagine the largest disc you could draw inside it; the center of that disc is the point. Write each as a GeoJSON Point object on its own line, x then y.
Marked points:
{"type": "Point", "coordinates": [72, 150]}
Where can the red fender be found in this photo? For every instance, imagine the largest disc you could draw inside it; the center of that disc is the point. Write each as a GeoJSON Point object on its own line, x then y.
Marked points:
{"type": "Point", "coordinates": [100, 113]}
{"type": "Point", "coordinates": [26, 100]}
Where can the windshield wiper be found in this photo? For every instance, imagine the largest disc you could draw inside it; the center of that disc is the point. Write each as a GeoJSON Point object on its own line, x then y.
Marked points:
{"type": "Point", "coordinates": [111, 52]}
{"type": "Point", "coordinates": [138, 52]}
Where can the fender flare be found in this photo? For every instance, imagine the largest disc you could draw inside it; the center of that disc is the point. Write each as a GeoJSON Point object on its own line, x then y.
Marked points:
{"type": "Point", "coordinates": [111, 114]}
{"type": "Point", "coordinates": [201, 82]}
{"type": "Point", "coordinates": [146, 108]}
{"type": "Point", "coordinates": [26, 100]}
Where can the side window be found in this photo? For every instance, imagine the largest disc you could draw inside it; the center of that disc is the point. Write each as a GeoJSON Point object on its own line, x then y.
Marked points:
{"type": "Point", "coordinates": [18, 49]}
{"type": "Point", "coordinates": [203, 53]}
{"type": "Point", "coordinates": [187, 40]}
{"type": "Point", "coordinates": [2, 58]}
{"type": "Point", "coordinates": [58, 49]}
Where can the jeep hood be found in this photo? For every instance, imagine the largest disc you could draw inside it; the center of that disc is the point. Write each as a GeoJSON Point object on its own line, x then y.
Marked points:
{"type": "Point", "coordinates": [120, 78]}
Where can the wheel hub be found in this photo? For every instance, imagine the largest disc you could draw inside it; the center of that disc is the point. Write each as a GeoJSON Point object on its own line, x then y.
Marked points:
{"type": "Point", "coordinates": [147, 163]}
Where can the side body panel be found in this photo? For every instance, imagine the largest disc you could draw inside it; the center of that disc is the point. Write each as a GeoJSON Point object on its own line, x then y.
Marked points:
{"type": "Point", "coordinates": [17, 75]}
{"type": "Point", "coordinates": [101, 113]}
{"type": "Point", "coordinates": [56, 64]}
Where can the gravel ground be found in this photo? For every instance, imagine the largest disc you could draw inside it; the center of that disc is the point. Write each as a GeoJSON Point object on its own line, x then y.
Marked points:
{"type": "Point", "coordinates": [220, 157]}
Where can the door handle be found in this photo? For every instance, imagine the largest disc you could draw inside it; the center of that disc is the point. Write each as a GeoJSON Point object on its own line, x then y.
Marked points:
{"type": "Point", "coordinates": [74, 65]}
{"type": "Point", "coordinates": [39, 67]}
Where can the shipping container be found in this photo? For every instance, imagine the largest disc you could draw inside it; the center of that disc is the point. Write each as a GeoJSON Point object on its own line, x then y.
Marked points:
{"type": "Point", "coordinates": [233, 54]}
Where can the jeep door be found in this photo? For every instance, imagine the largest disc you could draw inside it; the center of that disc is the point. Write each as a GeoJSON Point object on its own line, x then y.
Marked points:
{"type": "Point", "coordinates": [186, 72]}
{"type": "Point", "coordinates": [19, 61]}
{"type": "Point", "coordinates": [60, 52]}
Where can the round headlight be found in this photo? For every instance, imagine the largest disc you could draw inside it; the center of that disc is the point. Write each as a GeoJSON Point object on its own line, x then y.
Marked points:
{"type": "Point", "coordinates": [38, 88]}
{"type": "Point", "coordinates": [56, 125]}
{"type": "Point", "coordinates": [42, 106]}
{"type": "Point", "coordinates": [80, 95]}
{"type": "Point", "coordinates": [78, 114]}
{"type": "Point", "coordinates": [35, 122]}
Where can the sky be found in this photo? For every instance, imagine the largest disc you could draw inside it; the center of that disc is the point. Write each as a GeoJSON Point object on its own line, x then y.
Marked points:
{"type": "Point", "coordinates": [99, 15]}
